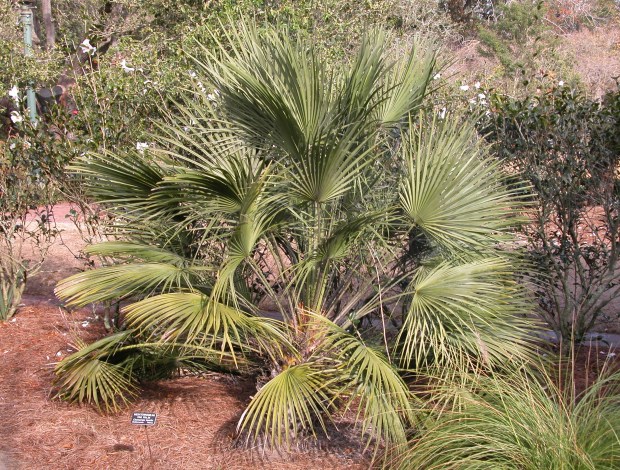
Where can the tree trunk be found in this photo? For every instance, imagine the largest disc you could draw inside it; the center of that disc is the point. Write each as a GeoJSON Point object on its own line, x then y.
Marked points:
{"type": "Point", "coordinates": [48, 22]}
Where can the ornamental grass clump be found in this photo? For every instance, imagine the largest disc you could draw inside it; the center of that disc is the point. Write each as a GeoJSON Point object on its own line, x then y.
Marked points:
{"type": "Point", "coordinates": [520, 420]}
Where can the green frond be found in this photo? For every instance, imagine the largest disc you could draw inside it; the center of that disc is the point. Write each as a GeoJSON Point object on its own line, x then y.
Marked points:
{"type": "Point", "coordinates": [230, 187]}
{"type": "Point", "coordinates": [452, 189]}
{"type": "Point", "coordinates": [273, 89]}
{"type": "Point", "coordinates": [405, 85]}
{"type": "Point", "coordinates": [374, 386]}
{"type": "Point", "coordinates": [189, 317]}
{"type": "Point", "coordinates": [91, 375]}
{"type": "Point", "coordinates": [122, 280]}
{"type": "Point", "coordinates": [120, 180]}
{"type": "Point", "coordinates": [136, 251]}
{"type": "Point", "coordinates": [464, 310]}
{"type": "Point", "coordinates": [290, 403]}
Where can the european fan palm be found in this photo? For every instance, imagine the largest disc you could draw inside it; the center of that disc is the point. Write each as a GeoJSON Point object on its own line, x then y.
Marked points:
{"type": "Point", "coordinates": [324, 196]}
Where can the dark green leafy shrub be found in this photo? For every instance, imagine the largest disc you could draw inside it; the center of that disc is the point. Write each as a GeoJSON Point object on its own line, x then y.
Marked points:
{"type": "Point", "coordinates": [569, 148]}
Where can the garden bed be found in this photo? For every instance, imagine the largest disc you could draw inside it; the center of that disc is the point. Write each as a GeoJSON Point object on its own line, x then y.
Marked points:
{"type": "Point", "coordinates": [196, 416]}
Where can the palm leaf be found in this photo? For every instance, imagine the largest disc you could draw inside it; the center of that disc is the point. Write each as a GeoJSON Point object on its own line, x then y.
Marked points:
{"type": "Point", "coordinates": [122, 280]}
{"type": "Point", "coordinates": [136, 251]}
{"type": "Point", "coordinates": [374, 385]}
{"type": "Point", "coordinates": [291, 402]}
{"type": "Point", "coordinates": [121, 180]}
{"type": "Point", "coordinates": [87, 376]}
{"type": "Point", "coordinates": [194, 318]}
{"type": "Point", "coordinates": [464, 310]}
{"type": "Point", "coordinates": [405, 85]}
{"type": "Point", "coordinates": [452, 190]}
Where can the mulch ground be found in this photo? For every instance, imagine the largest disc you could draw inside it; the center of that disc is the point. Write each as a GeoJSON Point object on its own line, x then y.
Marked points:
{"type": "Point", "coordinates": [196, 416]}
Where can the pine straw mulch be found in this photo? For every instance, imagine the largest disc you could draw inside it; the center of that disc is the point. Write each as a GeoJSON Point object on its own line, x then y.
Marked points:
{"type": "Point", "coordinates": [196, 416]}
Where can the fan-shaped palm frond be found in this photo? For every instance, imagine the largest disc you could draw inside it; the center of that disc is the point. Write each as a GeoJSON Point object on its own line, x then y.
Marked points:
{"type": "Point", "coordinates": [89, 376]}
{"type": "Point", "coordinates": [373, 384]}
{"type": "Point", "coordinates": [195, 318]}
{"type": "Point", "coordinates": [120, 180]}
{"type": "Point", "coordinates": [452, 189]}
{"type": "Point", "coordinates": [123, 280]}
{"type": "Point", "coordinates": [406, 84]}
{"type": "Point", "coordinates": [293, 401]}
{"type": "Point", "coordinates": [459, 310]}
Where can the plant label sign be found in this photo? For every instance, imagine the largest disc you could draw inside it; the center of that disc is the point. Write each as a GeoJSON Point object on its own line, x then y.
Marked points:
{"type": "Point", "coordinates": [143, 419]}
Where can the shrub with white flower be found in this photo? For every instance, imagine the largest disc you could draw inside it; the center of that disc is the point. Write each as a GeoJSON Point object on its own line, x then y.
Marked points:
{"type": "Point", "coordinates": [14, 94]}
{"type": "Point", "coordinates": [16, 117]}
{"type": "Point", "coordinates": [141, 146]}
{"type": "Point", "coordinates": [87, 47]}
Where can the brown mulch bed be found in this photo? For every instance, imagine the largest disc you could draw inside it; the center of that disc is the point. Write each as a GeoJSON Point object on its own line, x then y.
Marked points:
{"type": "Point", "coordinates": [196, 416]}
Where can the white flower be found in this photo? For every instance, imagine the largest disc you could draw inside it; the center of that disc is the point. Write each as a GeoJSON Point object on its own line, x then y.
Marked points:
{"type": "Point", "coordinates": [192, 74]}
{"type": "Point", "coordinates": [141, 146]}
{"type": "Point", "coordinates": [27, 145]}
{"type": "Point", "coordinates": [85, 324]}
{"type": "Point", "coordinates": [477, 85]}
{"type": "Point", "coordinates": [442, 113]}
{"type": "Point", "coordinates": [211, 97]}
{"type": "Point", "coordinates": [125, 68]}
{"type": "Point", "coordinates": [464, 87]}
{"type": "Point", "coordinates": [481, 96]}
{"type": "Point", "coordinates": [16, 117]}
{"type": "Point", "coordinates": [12, 146]}
{"type": "Point", "coordinates": [201, 86]}
{"type": "Point", "coordinates": [437, 76]}
{"type": "Point", "coordinates": [87, 47]}
{"type": "Point", "coordinates": [14, 93]}
{"type": "Point", "coordinates": [472, 101]}
{"type": "Point", "coordinates": [561, 83]}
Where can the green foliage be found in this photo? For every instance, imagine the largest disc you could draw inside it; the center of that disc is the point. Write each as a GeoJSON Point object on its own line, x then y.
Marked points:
{"type": "Point", "coordinates": [15, 68]}
{"type": "Point", "coordinates": [261, 191]}
{"type": "Point", "coordinates": [517, 37]}
{"type": "Point", "coordinates": [568, 147]}
{"type": "Point", "coordinates": [30, 170]}
{"type": "Point", "coordinates": [519, 420]}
